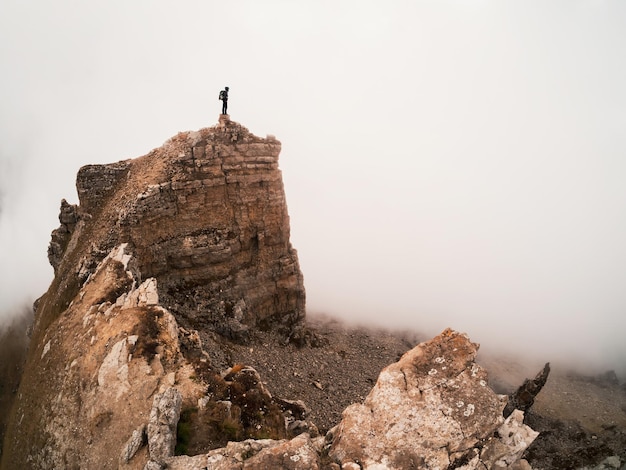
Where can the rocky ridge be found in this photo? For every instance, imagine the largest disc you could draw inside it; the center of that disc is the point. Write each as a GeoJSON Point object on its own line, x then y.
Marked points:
{"type": "Point", "coordinates": [113, 375]}
{"type": "Point", "coordinates": [205, 215]}
{"type": "Point", "coordinates": [175, 284]}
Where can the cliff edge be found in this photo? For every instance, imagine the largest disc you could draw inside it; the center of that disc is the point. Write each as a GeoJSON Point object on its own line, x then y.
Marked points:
{"type": "Point", "coordinates": [205, 215]}
{"type": "Point", "coordinates": [194, 235]}
{"type": "Point", "coordinates": [176, 264]}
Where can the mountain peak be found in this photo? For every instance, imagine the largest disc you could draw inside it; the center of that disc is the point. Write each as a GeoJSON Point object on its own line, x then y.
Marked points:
{"type": "Point", "coordinates": [206, 215]}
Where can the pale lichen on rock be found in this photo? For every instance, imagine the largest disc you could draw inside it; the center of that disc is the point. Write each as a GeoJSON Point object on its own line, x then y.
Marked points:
{"type": "Point", "coordinates": [413, 419]}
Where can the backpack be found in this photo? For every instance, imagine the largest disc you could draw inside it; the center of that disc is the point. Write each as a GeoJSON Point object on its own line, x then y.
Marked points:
{"type": "Point", "coordinates": [223, 95]}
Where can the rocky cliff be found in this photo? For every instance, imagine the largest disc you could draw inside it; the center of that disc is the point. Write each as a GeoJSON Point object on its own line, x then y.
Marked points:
{"type": "Point", "coordinates": [205, 215]}
{"type": "Point", "coordinates": [204, 218]}
{"type": "Point", "coordinates": [169, 264]}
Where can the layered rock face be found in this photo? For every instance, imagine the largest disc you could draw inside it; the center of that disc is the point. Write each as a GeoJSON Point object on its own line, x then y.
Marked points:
{"type": "Point", "coordinates": [193, 237]}
{"type": "Point", "coordinates": [205, 214]}
{"type": "Point", "coordinates": [204, 217]}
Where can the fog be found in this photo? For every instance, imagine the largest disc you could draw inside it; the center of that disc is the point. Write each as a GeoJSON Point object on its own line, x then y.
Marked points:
{"type": "Point", "coordinates": [446, 163]}
{"type": "Point", "coordinates": [13, 347]}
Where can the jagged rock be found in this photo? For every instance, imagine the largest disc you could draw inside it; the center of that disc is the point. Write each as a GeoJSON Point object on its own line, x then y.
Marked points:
{"type": "Point", "coordinates": [60, 237]}
{"type": "Point", "coordinates": [113, 373]}
{"type": "Point", "coordinates": [202, 217]}
{"type": "Point", "coordinates": [146, 294]}
{"type": "Point", "coordinates": [161, 429]}
{"type": "Point", "coordinates": [428, 410]}
{"type": "Point", "coordinates": [134, 443]}
{"type": "Point", "coordinates": [524, 397]}
{"type": "Point", "coordinates": [152, 465]}
{"type": "Point", "coordinates": [92, 375]}
{"type": "Point", "coordinates": [243, 401]}
{"type": "Point", "coordinates": [95, 184]}
{"type": "Point", "coordinates": [505, 448]}
{"type": "Point", "coordinates": [196, 234]}
{"type": "Point", "coordinates": [299, 453]}
{"type": "Point", "coordinates": [206, 217]}
{"type": "Point", "coordinates": [234, 454]}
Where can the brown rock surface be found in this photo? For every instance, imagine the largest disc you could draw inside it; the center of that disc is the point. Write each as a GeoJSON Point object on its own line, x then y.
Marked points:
{"type": "Point", "coordinates": [430, 409]}
{"type": "Point", "coordinates": [175, 273]}
{"type": "Point", "coordinates": [88, 382]}
{"type": "Point", "coordinates": [204, 218]}
{"type": "Point", "coordinates": [206, 215]}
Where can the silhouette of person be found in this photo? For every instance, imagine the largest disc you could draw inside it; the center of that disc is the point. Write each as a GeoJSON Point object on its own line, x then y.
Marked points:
{"type": "Point", "coordinates": [224, 98]}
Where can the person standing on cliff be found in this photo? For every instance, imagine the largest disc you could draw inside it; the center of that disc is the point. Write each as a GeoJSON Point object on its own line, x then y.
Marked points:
{"type": "Point", "coordinates": [224, 98]}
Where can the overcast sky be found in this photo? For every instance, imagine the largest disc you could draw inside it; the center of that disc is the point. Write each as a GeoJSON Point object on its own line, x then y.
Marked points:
{"type": "Point", "coordinates": [446, 163]}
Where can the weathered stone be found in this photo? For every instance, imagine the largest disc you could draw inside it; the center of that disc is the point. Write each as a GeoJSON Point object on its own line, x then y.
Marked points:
{"type": "Point", "coordinates": [113, 373]}
{"type": "Point", "coordinates": [152, 465]}
{"type": "Point", "coordinates": [425, 411]}
{"type": "Point", "coordinates": [234, 454]}
{"type": "Point", "coordinates": [524, 397]}
{"type": "Point", "coordinates": [511, 440]}
{"type": "Point", "coordinates": [184, 462]}
{"type": "Point", "coordinates": [146, 294]}
{"type": "Point", "coordinates": [96, 183]}
{"type": "Point", "coordinates": [60, 237]}
{"type": "Point", "coordinates": [164, 418]}
{"type": "Point", "coordinates": [206, 217]}
{"type": "Point", "coordinates": [297, 454]}
{"type": "Point", "coordinates": [134, 443]}
{"type": "Point", "coordinates": [300, 453]}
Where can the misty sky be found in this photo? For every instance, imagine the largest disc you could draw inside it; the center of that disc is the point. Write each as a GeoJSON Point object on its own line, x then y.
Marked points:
{"type": "Point", "coordinates": [446, 163]}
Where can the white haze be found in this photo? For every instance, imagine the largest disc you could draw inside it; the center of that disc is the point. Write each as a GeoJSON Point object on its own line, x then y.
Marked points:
{"type": "Point", "coordinates": [446, 163]}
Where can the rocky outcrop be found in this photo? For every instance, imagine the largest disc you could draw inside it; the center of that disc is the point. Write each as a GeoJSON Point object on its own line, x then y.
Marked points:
{"type": "Point", "coordinates": [164, 418]}
{"type": "Point", "coordinates": [206, 216]}
{"type": "Point", "coordinates": [115, 384]}
{"type": "Point", "coordinates": [524, 397]}
{"type": "Point", "coordinates": [109, 377]}
{"type": "Point", "coordinates": [60, 237]}
{"type": "Point", "coordinates": [194, 234]}
{"type": "Point", "coordinates": [89, 381]}
{"type": "Point", "coordinates": [431, 409]}
{"type": "Point", "coordinates": [299, 453]}
{"type": "Point", "coordinates": [136, 441]}
{"type": "Point", "coordinates": [191, 243]}
{"type": "Point", "coordinates": [505, 448]}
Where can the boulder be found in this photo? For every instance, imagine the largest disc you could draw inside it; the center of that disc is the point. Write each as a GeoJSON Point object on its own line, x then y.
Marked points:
{"type": "Point", "coordinates": [431, 409]}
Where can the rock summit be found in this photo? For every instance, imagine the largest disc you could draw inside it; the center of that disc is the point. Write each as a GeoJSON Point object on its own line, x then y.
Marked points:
{"type": "Point", "coordinates": [169, 263]}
